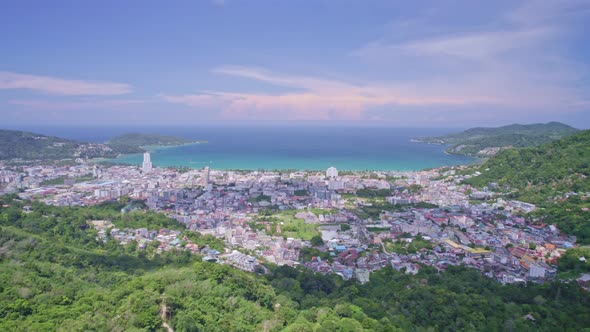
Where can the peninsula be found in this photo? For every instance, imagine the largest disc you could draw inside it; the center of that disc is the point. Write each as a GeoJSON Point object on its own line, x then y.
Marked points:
{"type": "Point", "coordinates": [137, 142]}
{"type": "Point", "coordinates": [15, 144]}
{"type": "Point", "coordinates": [486, 142]}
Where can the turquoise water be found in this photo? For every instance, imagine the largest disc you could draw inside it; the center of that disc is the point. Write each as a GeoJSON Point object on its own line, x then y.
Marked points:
{"type": "Point", "coordinates": [302, 148]}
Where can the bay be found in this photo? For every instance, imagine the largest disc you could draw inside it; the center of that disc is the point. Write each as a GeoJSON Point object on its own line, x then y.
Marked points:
{"type": "Point", "coordinates": [303, 148]}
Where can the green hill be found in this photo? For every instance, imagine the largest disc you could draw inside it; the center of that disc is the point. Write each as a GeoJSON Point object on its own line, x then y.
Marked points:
{"type": "Point", "coordinates": [484, 142]}
{"type": "Point", "coordinates": [56, 276]}
{"type": "Point", "coordinates": [31, 146]}
{"type": "Point", "coordinates": [544, 175]}
{"type": "Point", "coordinates": [134, 142]}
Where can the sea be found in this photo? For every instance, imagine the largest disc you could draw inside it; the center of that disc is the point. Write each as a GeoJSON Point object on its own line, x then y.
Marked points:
{"type": "Point", "coordinates": [269, 148]}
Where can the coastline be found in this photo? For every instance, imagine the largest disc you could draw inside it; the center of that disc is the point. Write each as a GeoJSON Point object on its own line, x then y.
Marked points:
{"type": "Point", "coordinates": [151, 148]}
{"type": "Point", "coordinates": [236, 161]}
{"type": "Point", "coordinates": [147, 148]}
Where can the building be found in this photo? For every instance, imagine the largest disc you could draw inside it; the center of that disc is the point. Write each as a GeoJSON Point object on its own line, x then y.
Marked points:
{"type": "Point", "coordinates": [362, 275]}
{"type": "Point", "coordinates": [206, 176]}
{"type": "Point", "coordinates": [336, 185]}
{"type": "Point", "coordinates": [147, 163]}
{"type": "Point", "coordinates": [332, 172]}
{"type": "Point", "coordinates": [536, 271]}
{"type": "Point", "coordinates": [241, 261]}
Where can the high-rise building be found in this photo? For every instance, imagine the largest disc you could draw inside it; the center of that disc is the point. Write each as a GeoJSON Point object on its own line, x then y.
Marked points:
{"type": "Point", "coordinates": [147, 163]}
{"type": "Point", "coordinates": [206, 176]}
{"type": "Point", "coordinates": [332, 172]}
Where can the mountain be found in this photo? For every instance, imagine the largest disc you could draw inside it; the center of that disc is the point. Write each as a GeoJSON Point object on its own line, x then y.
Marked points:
{"type": "Point", "coordinates": [31, 146]}
{"type": "Point", "coordinates": [485, 142]}
{"type": "Point", "coordinates": [554, 176]}
{"type": "Point", "coordinates": [134, 142]}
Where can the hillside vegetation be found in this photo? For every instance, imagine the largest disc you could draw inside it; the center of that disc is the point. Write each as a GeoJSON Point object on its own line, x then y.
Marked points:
{"type": "Point", "coordinates": [55, 275]}
{"type": "Point", "coordinates": [547, 175]}
{"type": "Point", "coordinates": [484, 142]}
{"type": "Point", "coordinates": [16, 144]}
{"type": "Point", "coordinates": [31, 146]}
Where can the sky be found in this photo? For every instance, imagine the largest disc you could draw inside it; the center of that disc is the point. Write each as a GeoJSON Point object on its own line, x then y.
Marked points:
{"type": "Point", "coordinates": [339, 62]}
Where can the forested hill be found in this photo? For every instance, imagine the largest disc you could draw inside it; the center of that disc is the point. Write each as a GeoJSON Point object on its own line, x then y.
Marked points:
{"type": "Point", "coordinates": [55, 275]}
{"type": "Point", "coordinates": [134, 142]}
{"type": "Point", "coordinates": [488, 141]}
{"type": "Point", "coordinates": [29, 146]}
{"type": "Point", "coordinates": [544, 175]}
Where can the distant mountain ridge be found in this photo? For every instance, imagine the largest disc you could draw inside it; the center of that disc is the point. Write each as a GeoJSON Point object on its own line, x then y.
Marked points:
{"type": "Point", "coordinates": [486, 142]}
{"type": "Point", "coordinates": [15, 144]}
{"type": "Point", "coordinates": [32, 146]}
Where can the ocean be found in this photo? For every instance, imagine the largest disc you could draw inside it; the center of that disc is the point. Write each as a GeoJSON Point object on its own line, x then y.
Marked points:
{"type": "Point", "coordinates": [303, 148]}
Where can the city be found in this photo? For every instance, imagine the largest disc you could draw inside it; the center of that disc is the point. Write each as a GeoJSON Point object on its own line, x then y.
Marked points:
{"type": "Point", "coordinates": [344, 223]}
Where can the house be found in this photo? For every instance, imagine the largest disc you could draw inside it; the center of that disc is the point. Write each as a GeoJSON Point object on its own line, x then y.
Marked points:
{"type": "Point", "coordinates": [584, 280]}
{"type": "Point", "coordinates": [362, 275]}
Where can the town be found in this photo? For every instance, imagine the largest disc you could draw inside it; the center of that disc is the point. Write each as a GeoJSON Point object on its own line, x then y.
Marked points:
{"type": "Point", "coordinates": [346, 223]}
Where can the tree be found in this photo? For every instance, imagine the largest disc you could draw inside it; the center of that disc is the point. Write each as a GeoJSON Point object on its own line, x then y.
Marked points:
{"type": "Point", "coordinates": [317, 241]}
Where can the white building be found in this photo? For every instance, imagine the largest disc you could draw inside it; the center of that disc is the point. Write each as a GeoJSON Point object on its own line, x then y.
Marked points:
{"type": "Point", "coordinates": [536, 271]}
{"type": "Point", "coordinates": [335, 185]}
{"type": "Point", "coordinates": [206, 176]}
{"type": "Point", "coordinates": [332, 172]}
{"type": "Point", "coordinates": [147, 163]}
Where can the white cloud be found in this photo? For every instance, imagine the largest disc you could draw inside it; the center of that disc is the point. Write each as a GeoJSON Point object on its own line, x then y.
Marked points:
{"type": "Point", "coordinates": [518, 59]}
{"type": "Point", "coordinates": [60, 86]}
{"type": "Point", "coordinates": [314, 98]}
{"type": "Point", "coordinates": [65, 105]}
{"type": "Point", "coordinates": [471, 46]}
{"type": "Point", "coordinates": [515, 62]}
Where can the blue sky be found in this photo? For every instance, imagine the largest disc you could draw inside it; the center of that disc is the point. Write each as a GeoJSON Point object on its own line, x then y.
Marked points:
{"type": "Point", "coordinates": [393, 63]}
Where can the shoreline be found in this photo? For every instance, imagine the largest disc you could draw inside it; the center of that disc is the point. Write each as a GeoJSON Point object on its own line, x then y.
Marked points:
{"type": "Point", "coordinates": [342, 169]}
{"type": "Point", "coordinates": [250, 163]}
{"type": "Point", "coordinates": [150, 148]}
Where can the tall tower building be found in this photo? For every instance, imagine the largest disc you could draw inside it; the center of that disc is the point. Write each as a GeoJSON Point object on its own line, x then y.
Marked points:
{"type": "Point", "coordinates": [147, 163]}
{"type": "Point", "coordinates": [206, 176]}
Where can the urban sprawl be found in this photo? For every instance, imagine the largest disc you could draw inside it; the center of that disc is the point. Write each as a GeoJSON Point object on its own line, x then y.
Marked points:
{"type": "Point", "coordinates": [431, 220]}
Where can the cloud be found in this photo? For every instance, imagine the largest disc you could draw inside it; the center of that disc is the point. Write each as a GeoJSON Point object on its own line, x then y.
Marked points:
{"type": "Point", "coordinates": [535, 12]}
{"type": "Point", "coordinates": [519, 58]}
{"type": "Point", "coordinates": [314, 98]}
{"type": "Point", "coordinates": [476, 46]}
{"type": "Point", "coordinates": [514, 62]}
{"type": "Point", "coordinates": [54, 105]}
{"type": "Point", "coordinates": [60, 86]}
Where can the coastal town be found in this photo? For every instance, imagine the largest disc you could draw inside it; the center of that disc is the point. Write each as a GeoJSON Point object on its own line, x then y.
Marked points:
{"type": "Point", "coordinates": [331, 222]}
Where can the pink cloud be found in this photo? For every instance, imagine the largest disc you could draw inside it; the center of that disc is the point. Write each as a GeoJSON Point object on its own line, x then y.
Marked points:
{"type": "Point", "coordinates": [320, 99]}
{"type": "Point", "coordinates": [488, 68]}
{"type": "Point", "coordinates": [60, 86]}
